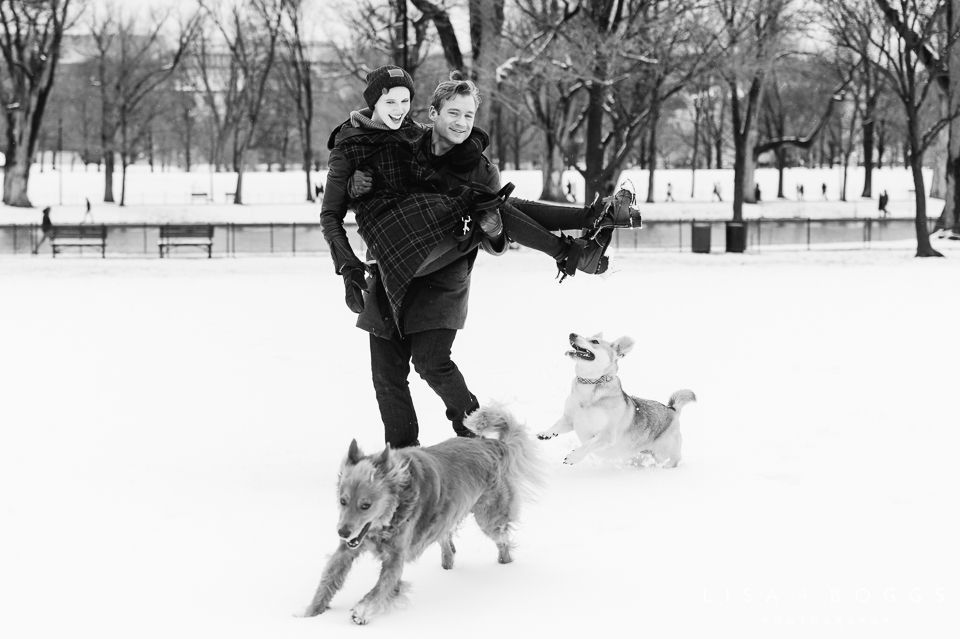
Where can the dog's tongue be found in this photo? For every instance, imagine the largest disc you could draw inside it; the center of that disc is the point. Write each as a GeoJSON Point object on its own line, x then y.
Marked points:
{"type": "Point", "coordinates": [353, 543]}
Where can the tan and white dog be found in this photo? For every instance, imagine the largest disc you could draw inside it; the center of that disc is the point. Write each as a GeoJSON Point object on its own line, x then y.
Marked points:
{"type": "Point", "coordinates": [609, 422]}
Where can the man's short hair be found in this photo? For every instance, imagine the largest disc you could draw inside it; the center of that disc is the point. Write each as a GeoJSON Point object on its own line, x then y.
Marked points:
{"type": "Point", "coordinates": [457, 85]}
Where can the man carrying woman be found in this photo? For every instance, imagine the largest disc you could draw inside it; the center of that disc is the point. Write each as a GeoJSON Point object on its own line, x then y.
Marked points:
{"type": "Point", "coordinates": [425, 199]}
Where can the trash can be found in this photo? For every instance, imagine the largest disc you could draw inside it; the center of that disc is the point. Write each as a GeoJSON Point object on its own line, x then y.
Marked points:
{"type": "Point", "coordinates": [700, 237]}
{"type": "Point", "coordinates": [736, 237]}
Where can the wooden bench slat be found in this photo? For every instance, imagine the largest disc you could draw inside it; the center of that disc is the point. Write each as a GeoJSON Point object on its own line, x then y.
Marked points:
{"type": "Point", "coordinates": [200, 235]}
{"type": "Point", "coordinates": [80, 236]}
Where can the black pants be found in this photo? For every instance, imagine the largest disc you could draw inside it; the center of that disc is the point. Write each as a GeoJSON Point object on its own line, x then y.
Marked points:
{"type": "Point", "coordinates": [429, 351]}
{"type": "Point", "coordinates": [529, 224]}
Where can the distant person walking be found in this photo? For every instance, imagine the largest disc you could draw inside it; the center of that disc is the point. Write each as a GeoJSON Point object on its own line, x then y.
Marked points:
{"type": "Point", "coordinates": [716, 192]}
{"type": "Point", "coordinates": [87, 215]}
{"type": "Point", "coordinates": [823, 189]}
{"type": "Point", "coordinates": [756, 192]}
{"type": "Point", "coordinates": [47, 227]}
{"type": "Point", "coordinates": [800, 192]}
{"type": "Point", "coordinates": [884, 199]}
{"type": "Point", "coordinates": [670, 192]}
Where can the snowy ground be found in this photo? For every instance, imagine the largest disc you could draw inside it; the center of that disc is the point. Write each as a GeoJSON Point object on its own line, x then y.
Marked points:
{"type": "Point", "coordinates": [172, 430]}
{"type": "Point", "coordinates": [161, 197]}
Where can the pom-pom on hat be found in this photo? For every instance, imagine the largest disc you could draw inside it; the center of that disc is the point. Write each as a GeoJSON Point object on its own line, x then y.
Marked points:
{"type": "Point", "coordinates": [381, 80]}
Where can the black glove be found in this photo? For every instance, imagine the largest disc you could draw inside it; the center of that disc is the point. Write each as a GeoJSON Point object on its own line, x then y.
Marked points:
{"type": "Point", "coordinates": [354, 283]}
{"type": "Point", "coordinates": [359, 184]}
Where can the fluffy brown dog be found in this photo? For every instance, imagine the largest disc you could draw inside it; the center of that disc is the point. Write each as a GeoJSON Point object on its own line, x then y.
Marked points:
{"type": "Point", "coordinates": [398, 502]}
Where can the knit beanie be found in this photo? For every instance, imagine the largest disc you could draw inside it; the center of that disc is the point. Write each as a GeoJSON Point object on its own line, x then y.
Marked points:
{"type": "Point", "coordinates": [382, 80]}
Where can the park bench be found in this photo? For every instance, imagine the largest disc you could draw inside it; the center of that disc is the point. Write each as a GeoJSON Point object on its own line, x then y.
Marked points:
{"type": "Point", "coordinates": [79, 236]}
{"type": "Point", "coordinates": [201, 195]}
{"type": "Point", "coordinates": [198, 235]}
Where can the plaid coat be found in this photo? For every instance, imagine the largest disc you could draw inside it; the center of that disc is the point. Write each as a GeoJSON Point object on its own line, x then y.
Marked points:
{"type": "Point", "coordinates": [400, 227]}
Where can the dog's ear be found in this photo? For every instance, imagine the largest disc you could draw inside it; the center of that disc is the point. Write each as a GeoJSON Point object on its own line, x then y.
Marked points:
{"type": "Point", "coordinates": [597, 336]}
{"type": "Point", "coordinates": [623, 345]}
{"type": "Point", "coordinates": [384, 460]}
{"type": "Point", "coordinates": [354, 455]}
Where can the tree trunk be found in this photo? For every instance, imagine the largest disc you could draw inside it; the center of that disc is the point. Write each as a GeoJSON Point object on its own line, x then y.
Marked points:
{"type": "Point", "coordinates": [750, 167]}
{"type": "Point", "coordinates": [552, 175]}
{"type": "Point", "coordinates": [950, 217]}
{"type": "Point", "coordinates": [739, 160]}
{"type": "Point", "coordinates": [781, 155]}
{"type": "Point", "coordinates": [307, 156]}
{"type": "Point", "coordinates": [696, 152]}
{"type": "Point", "coordinates": [108, 165]}
{"type": "Point", "coordinates": [843, 185]}
{"type": "Point", "coordinates": [938, 186]}
{"type": "Point", "coordinates": [654, 119]}
{"type": "Point", "coordinates": [16, 176]}
{"type": "Point", "coordinates": [123, 180]}
{"type": "Point", "coordinates": [189, 143]}
{"type": "Point", "coordinates": [150, 155]}
{"type": "Point", "coordinates": [238, 192]}
{"type": "Point", "coordinates": [593, 155]}
{"type": "Point", "coordinates": [868, 157]}
{"type": "Point", "coordinates": [924, 249]}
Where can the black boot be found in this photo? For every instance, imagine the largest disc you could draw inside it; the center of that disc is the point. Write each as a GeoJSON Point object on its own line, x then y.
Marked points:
{"type": "Point", "coordinates": [587, 254]}
{"type": "Point", "coordinates": [614, 211]}
{"type": "Point", "coordinates": [457, 419]}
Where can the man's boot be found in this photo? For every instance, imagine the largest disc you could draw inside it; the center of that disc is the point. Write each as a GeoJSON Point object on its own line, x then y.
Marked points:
{"type": "Point", "coordinates": [457, 417]}
{"type": "Point", "coordinates": [615, 211]}
{"type": "Point", "coordinates": [587, 253]}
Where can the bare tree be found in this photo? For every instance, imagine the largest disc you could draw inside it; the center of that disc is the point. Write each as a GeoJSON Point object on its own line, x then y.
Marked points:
{"type": "Point", "coordinates": [131, 66]}
{"type": "Point", "coordinates": [752, 35]}
{"type": "Point", "coordinates": [919, 35]}
{"type": "Point", "coordinates": [682, 50]}
{"type": "Point", "coordinates": [31, 32]}
{"type": "Point", "coordinates": [389, 31]}
{"type": "Point", "coordinates": [784, 118]}
{"type": "Point", "coordinates": [853, 26]}
{"type": "Point", "coordinates": [250, 30]}
{"type": "Point", "coordinates": [897, 15]}
{"type": "Point", "coordinates": [539, 83]}
{"type": "Point", "coordinates": [297, 74]}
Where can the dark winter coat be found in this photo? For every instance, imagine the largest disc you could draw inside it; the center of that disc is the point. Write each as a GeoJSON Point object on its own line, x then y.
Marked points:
{"type": "Point", "coordinates": [439, 297]}
{"type": "Point", "coordinates": [409, 211]}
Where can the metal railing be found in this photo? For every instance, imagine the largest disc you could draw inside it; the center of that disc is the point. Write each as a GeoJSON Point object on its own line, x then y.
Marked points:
{"type": "Point", "coordinates": [656, 235]}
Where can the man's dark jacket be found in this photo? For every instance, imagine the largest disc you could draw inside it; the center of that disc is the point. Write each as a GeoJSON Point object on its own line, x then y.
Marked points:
{"type": "Point", "coordinates": [439, 298]}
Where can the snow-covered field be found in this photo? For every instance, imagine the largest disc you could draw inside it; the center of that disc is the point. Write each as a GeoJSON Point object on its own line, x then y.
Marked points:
{"type": "Point", "coordinates": [171, 431]}
{"type": "Point", "coordinates": [162, 197]}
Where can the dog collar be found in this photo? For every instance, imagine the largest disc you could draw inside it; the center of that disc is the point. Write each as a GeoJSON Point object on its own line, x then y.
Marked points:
{"type": "Point", "coordinates": [595, 382]}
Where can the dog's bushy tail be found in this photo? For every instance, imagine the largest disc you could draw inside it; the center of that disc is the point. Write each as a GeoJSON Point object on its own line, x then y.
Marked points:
{"type": "Point", "coordinates": [524, 467]}
{"type": "Point", "coordinates": [681, 398]}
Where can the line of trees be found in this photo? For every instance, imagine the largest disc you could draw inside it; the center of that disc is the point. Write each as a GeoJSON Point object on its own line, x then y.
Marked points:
{"type": "Point", "coordinates": [594, 85]}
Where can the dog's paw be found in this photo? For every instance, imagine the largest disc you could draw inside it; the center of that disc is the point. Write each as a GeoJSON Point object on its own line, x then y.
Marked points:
{"type": "Point", "coordinates": [316, 609]}
{"type": "Point", "coordinates": [359, 615]}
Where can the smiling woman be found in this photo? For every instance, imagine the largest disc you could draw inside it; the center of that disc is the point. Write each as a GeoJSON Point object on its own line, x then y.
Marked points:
{"type": "Point", "coordinates": [392, 107]}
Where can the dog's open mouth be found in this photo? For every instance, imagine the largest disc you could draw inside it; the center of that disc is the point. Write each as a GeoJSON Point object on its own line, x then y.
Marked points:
{"type": "Point", "coordinates": [356, 541]}
{"type": "Point", "coordinates": [580, 353]}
